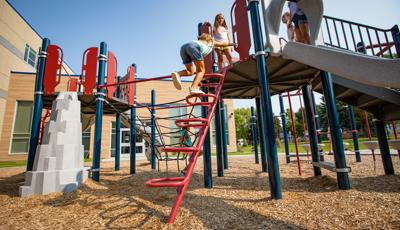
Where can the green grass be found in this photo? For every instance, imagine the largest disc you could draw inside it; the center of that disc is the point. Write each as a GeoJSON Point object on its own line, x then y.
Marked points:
{"type": "Point", "coordinates": [6, 164]}
{"type": "Point", "coordinates": [247, 150]}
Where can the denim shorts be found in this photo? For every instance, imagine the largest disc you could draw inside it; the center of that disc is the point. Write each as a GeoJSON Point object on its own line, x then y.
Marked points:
{"type": "Point", "coordinates": [191, 52]}
{"type": "Point", "coordinates": [299, 18]}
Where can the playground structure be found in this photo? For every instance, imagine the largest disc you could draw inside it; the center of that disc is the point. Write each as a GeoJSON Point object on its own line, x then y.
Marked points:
{"type": "Point", "coordinates": [281, 69]}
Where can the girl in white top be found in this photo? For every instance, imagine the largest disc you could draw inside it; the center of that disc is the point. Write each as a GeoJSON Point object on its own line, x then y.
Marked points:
{"type": "Point", "coordinates": [221, 34]}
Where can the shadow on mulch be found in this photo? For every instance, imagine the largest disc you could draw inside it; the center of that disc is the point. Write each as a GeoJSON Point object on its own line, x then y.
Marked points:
{"type": "Point", "coordinates": [114, 196]}
{"type": "Point", "coordinates": [10, 185]}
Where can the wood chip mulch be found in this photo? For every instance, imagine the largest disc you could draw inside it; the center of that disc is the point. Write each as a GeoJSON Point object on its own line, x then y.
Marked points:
{"type": "Point", "coordinates": [240, 200]}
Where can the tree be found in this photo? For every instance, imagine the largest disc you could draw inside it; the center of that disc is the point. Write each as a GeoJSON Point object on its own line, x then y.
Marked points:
{"type": "Point", "coordinates": [243, 124]}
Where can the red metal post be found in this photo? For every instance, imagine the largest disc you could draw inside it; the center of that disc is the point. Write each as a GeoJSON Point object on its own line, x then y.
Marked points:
{"type": "Point", "coordinates": [304, 124]}
{"type": "Point", "coordinates": [294, 134]}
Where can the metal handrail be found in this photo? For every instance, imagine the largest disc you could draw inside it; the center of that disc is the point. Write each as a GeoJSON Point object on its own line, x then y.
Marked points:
{"type": "Point", "coordinates": [356, 36]}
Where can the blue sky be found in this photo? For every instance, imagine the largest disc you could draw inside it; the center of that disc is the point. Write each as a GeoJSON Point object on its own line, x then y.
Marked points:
{"type": "Point", "coordinates": [151, 32]}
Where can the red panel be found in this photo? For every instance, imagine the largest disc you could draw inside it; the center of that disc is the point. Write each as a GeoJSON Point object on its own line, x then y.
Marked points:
{"type": "Point", "coordinates": [73, 84]}
{"type": "Point", "coordinates": [240, 30]}
{"type": "Point", "coordinates": [89, 70]}
{"type": "Point", "coordinates": [208, 61]}
{"type": "Point", "coordinates": [111, 73]}
{"type": "Point", "coordinates": [52, 69]}
{"type": "Point", "coordinates": [127, 91]}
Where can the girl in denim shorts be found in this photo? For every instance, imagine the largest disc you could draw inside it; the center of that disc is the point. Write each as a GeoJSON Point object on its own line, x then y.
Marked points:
{"type": "Point", "coordinates": [194, 52]}
{"type": "Point", "coordinates": [300, 22]}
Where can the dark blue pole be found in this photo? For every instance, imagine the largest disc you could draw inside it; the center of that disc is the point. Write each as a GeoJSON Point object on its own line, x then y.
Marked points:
{"type": "Point", "coordinates": [396, 39]}
{"type": "Point", "coordinates": [261, 130]}
{"type": "Point", "coordinates": [312, 132]}
{"type": "Point", "coordinates": [99, 112]}
{"type": "Point", "coordinates": [118, 135]}
{"type": "Point", "coordinates": [37, 105]}
{"type": "Point", "coordinates": [317, 125]}
{"type": "Point", "coordinates": [224, 134]}
{"type": "Point", "coordinates": [384, 147]}
{"type": "Point", "coordinates": [132, 158]}
{"type": "Point", "coordinates": [117, 141]}
{"type": "Point", "coordinates": [153, 130]}
{"type": "Point", "coordinates": [354, 132]}
{"type": "Point", "coordinates": [337, 142]}
{"type": "Point", "coordinates": [208, 181]}
{"type": "Point", "coordinates": [285, 137]}
{"type": "Point", "coordinates": [218, 140]}
{"type": "Point", "coordinates": [254, 134]}
{"type": "Point", "coordinates": [267, 114]}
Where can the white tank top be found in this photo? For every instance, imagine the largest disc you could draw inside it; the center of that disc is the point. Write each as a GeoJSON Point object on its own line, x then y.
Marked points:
{"type": "Point", "coordinates": [221, 34]}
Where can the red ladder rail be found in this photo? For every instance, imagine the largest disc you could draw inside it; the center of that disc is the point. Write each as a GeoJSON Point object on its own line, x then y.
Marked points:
{"type": "Point", "coordinates": [181, 183]}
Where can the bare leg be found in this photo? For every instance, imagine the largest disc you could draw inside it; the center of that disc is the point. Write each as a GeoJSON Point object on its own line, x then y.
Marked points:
{"type": "Point", "coordinates": [200, 70]}
{"type": "Point", "coordinates": [220, 58]}
{"type": "Point", "coordinates": [305, 32]}
{"type": "Point", "coordinates": [298, 36]}
{"type": "Point", "coordinates": [189, 71]}
{"type": "Point", "coordinates": [228, 54]}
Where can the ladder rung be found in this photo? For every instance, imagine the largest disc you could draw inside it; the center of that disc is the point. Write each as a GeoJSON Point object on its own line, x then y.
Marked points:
{"type": "Point", "coordinates": [166, 182]}
{"type": "Point", "coordinates": [191, 122]}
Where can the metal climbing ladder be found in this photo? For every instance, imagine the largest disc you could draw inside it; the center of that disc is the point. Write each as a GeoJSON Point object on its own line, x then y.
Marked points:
{"type": "Point", "coordinates": [181, 183]}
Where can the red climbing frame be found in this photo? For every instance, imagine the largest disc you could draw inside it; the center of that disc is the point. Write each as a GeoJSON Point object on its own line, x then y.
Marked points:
{"type": "Point", "coordinates": [52, 71]}
{"type": "Point", "coordinates": [181, 183]}
{"type": "Point", "coordinates": [73, 84]}
{"type": "Point", "coordinates": [127, 91]}
{"type": "Point", "coordinates": [240, 28]}
{"type": "Point", "coordinates": [89, 70]}
{"type": "Point", "coordinates": [111, 73]}
{"type": "Point", "coordinates": [208, 60]}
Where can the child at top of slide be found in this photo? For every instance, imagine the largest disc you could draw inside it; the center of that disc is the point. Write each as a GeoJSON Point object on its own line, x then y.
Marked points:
{"type": "Point", "coordinates": [221, 34]}
{"type": "Point", "coordinates": [300, 21]}
{"type": "Point", "coordinates": [195, 52]}
{"type": "Point", "coordinates": [290, 29]}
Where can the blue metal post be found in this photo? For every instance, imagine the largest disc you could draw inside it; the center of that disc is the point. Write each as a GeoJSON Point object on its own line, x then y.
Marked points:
{"type": "Point", "coordinates": [224, 134]}
{"type": "Point", "coordinates": [37, 105]}
{"type": "Point", "coordinates": [384, 147]}
{"type": "Point", "coordinates": [312, 132]}
{"type": "Point", "coordinates": [132, 158]}
{"type": "Point", "coordinates": [337, 142]}
{"type": "Point", "coordinates": [317, 125]}
{"type": "Point", "coordinates": [153, 130]}
{"type": "Point", "coordinates": [99, 112]}
{"type": "Point", "coordinates": [285, 137]}
{"type": "Point", "coordinates": [218, 140]}
{"type": "Point", "coordinates": [355, 134]}
{"type": "Point", "coordinates": [208, 181]}
{"type": "Point", "coordinates": [118, 135]}
{"type": "Point", "coordinates": [267, 114]}
{"type": "Point", "coordinates": [261, 130]}
{"type": "Point", "coordinates": [254, 133]}
{"type": "Point", "coordinates": [117, 141]}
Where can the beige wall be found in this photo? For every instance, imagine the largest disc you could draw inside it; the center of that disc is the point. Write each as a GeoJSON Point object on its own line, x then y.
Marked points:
{"type": "Point", "coordinates": [15, 33]}
{"type": "Point", "coordinates": [22, 86]}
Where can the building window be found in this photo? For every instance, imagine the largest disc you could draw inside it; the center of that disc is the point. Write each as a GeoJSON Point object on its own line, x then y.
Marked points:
{"type": "Point", "coordinates": [30, 56]}
{"type": "Point", "coordinates": [86, 142]}
{"type": "Point", "coordinates": [182, 113]}
{"type": "Point", "coordinates": [22, 127]}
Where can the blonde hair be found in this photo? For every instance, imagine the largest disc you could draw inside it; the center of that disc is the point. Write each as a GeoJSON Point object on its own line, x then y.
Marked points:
{"type": "Point", "coordinates": [216, 21]}
{"type": "Point", "coordinates": [284, 16]}
{"type": "Point", "coordinates": [205, 37]}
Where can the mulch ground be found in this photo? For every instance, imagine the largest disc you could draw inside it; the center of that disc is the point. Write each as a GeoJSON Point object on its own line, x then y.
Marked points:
{"type": "Point", "coordinates": [240, 200]}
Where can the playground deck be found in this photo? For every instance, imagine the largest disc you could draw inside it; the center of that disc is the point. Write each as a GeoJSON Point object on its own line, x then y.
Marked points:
{"type": "Point", "coordinates": [238, 201]}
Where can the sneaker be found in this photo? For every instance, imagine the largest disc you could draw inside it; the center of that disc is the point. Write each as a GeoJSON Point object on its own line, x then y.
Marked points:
{"type": "Point", "coordinates": [177, 80]}
{"type": "Point", "coordinates": [195, 91]}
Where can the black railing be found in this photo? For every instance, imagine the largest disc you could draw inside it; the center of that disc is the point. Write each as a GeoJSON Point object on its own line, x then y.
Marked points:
{"type": "Point", "coordinates": [343, 34]}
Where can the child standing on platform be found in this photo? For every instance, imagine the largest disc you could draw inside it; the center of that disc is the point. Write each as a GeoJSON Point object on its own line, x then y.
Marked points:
{"type": "Point", "coordinates": [221, 34]}
{"type": "Point", "coordinates": [300, 21]}
{"type": "Point", "coordinates": [290, 30]}
{"type": "Point", "coordinates": [194, 52]}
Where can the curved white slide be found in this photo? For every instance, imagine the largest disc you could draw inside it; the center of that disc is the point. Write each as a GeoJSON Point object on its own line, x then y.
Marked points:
{"type": "Point", "coordinates": [369, 70]}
